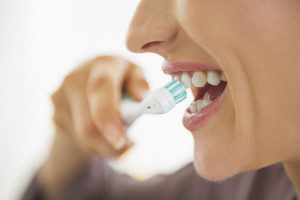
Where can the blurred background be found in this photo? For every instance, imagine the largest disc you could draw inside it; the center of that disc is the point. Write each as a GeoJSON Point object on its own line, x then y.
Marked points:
{"type": "Point", "coordinates": [40, 42]}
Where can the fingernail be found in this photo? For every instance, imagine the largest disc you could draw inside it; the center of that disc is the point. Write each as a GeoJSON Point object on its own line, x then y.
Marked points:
{"type": "Point", "coordinates": [115, 136]}
{"type": "Point", "coordinates": [120, 143]}
{"type": "Point", "coordinates": [129, 145]}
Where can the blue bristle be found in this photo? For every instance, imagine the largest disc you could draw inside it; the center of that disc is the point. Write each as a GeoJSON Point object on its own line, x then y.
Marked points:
{"type": "Point", "coordinates": [184, 93]}
{"type": "Point", "coordinates": [177, 87]}
{"type": "Point", "coordinates": [177, 102]}
{"type": "Point", "coordinates": [170, 84]}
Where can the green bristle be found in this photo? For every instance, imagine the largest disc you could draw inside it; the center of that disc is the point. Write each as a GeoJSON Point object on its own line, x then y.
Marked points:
{"type": "Point", "coordinates": [177, 102]}
{"type": "Point", "coordinates": [180, 95]}
{"type": "Point", "coordinates": [170, 84]}
{"type": "Point", "coordinates": [176, 88]}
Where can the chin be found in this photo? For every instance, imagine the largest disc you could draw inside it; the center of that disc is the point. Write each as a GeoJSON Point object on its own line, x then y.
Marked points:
{"type": "Point", "coordinates": [216, 169]}
{"type": "Point", "coordinates": [217, 156]}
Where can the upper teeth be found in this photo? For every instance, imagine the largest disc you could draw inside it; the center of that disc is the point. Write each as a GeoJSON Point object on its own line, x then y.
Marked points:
{"type": "Point", "coordinates": [177, 78]}
{"type": "Point", "coordinates": [200, 78]}
{"type": "Point", "coordinates": [185, 79]}
{"type": "Point", "coordinates": [213, 78]}
{"type": "Point", "coordinates": [223, 77]}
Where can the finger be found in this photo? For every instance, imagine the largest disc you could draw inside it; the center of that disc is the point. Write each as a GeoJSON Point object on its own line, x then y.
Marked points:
{"type": "Point", "coordinates": [87, 134]}
{"type": "Point", "coordinates": [107, 150]}
{"type": "Point", "coordinates": [104, 92]}
{"type": "Point", "coordinates": [62, 116]}
{"type": "Point", "coordinates": [136, 85]}
{"type": "Point", "coordinates": [81, 119]}
{"type": "Point", "coordinates": [128, 146]}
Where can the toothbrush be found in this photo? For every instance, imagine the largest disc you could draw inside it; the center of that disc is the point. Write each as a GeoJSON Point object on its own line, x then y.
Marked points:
{"type": "Point", "coordinates": [159, 101]}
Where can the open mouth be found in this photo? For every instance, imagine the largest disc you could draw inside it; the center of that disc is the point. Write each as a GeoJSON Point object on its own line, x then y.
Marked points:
{"type": "Point", "coordinates": [207, 85]}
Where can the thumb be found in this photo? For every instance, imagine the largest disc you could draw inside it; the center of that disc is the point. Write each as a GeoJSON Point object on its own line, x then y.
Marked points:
{"type": "Point", "coordinates": [136, 85]}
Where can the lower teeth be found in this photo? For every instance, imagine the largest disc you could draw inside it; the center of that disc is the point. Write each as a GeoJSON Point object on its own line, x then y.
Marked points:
{"type": "Point", "coordinates": [198, 105]}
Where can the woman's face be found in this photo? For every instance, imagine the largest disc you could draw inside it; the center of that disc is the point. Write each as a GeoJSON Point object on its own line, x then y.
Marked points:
{"type": "Point", "coordinates": [255, 121]}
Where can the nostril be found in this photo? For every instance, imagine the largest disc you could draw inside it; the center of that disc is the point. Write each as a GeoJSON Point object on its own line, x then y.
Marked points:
{"type": "Point", "coordinates": [150, 44]}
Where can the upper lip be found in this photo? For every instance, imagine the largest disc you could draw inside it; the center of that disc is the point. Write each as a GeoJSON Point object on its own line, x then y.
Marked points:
{"type": "Point", "coordinates": [173, 67]}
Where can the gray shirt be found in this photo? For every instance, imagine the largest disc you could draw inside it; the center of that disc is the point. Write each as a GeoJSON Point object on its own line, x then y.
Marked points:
{"type": "Point", "coordinates": [99, 181]}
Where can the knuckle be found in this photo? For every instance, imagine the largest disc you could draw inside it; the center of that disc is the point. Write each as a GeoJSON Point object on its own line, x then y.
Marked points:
{"type": "Point", "coordinates": [56, 96]}
{"type": "Point", "coordinates": [138, 82]}
{"type": "Point", "coordinates": [104, 58]}
{"type": "Point", "coordinates": [105, 82]}
{"type": "Point", "coordinates": [111, 63]}
{"type": "Point", "coordinates": [70, 79]}
{"type": "Point", "coordinates": [58, 122]}
{"type": "Point", "coordinates": [137, 73]}
{"type": "Point", "coordinates": [136, 69]}
{"type": "Point", "coordinates": [75, 79]}
{"type": "Point", "coordinates": [56, 119]}
{"type": "Point", "coordinates": [77, 76]}
{"type": "Point", "coordinates": [102, 61]}
{"type": "Point", "coordinates": [143, 84]}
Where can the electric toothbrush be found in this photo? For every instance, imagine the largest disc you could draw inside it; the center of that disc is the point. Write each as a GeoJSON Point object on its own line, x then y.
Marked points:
{"type": "Point", "coordinates": [159, 101]}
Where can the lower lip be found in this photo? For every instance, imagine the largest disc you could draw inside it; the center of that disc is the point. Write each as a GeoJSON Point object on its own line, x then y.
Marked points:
{"type": "Point", "coordinates": [197, 120]}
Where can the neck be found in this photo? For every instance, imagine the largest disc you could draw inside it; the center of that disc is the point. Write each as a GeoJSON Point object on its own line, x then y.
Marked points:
{"type": "Point", "coordinates": [293, 170]}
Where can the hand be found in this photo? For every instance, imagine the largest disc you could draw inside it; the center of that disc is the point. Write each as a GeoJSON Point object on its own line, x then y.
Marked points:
{"type": "Point", "coordinates": [87, 104]}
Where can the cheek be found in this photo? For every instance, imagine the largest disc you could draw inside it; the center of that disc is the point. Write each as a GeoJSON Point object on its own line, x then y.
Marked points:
{"type": "Point", "coordinates": [214, 24]}
{"type": "Point", "coordinates": [192, 16]}
{"type": "Point", "coordinates": [245, 132]}
{"type": "Point", "coordinates": [222, 148]}
{"type": "Point", "coordinates": [206, 21]}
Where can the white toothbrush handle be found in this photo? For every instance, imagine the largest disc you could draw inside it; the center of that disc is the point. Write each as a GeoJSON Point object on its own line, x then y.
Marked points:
{"type": "Point", "coordinates": [157, 102]}
{"type": "Point", "coordinates": [130, 110]}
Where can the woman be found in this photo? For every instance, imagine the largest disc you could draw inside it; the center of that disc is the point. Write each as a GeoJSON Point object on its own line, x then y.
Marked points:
{"type": "Point", "coordinates": [250, 121]}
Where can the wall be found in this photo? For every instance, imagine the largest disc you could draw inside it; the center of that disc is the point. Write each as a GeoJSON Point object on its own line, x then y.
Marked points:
{"type": "Point", "coordinates": [40, 42]}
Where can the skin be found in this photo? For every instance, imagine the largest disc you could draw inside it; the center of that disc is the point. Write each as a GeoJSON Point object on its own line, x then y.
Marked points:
{"type": "Point", "coordinates": [87, 119]}
{"type": "Point", "coordinates": [256, 45]}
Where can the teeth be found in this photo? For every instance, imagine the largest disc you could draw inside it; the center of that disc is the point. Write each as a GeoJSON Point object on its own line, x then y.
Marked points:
{"type": "Point", "coordinates": [185, 79]}
{"type": "Point", "coordinates": [223, 77]}
{"type": "Point", "coordinates": [206, 102]}
{"type": "Point", "coordinates": [177, 78]}
{"type": "Point", "coordinates": [213, 78]}
{"type": "Point", "coordinates": [199, 105]}
{"type": "Point", "coordinates": [203, 103]}
{"type": "Point", "coordinates": [199, 79]}
{"type": "Point", "coordinates": [193, 107]}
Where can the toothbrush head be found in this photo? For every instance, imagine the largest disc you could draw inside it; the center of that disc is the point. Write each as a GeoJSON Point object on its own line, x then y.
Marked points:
{"type": "Point", "coordinates": [164, 99]}
{"type": "Point", "coordinates": [177, 90]}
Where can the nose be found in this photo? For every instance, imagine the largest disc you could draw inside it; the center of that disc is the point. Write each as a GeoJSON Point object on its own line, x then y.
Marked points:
{"type": "Point", "coordinates": [152, 28]}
